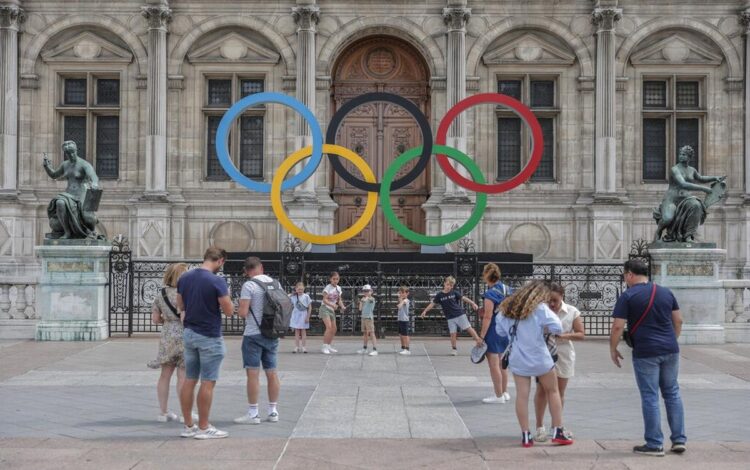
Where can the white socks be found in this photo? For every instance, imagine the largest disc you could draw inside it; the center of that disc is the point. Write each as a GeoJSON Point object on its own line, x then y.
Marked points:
{"type": "Point", "coordinates": [271, 408]}
{"type": "Point", "coordinates": [252, 409]}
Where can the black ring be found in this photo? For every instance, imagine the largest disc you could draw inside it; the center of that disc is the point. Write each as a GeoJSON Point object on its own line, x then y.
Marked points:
{"type": "Point", "coordinates": [411, 108]}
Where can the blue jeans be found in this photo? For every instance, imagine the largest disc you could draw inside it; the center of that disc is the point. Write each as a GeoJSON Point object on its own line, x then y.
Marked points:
{"type": "Point", "coordinates": [660, 373]}
{"type": "Point", "coordinates": [203, 355]}
{"type": "Point", "coordinates": [257, 350]}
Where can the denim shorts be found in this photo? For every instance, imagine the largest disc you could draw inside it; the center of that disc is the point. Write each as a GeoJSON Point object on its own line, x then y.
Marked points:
{"type": "Point", "coordinates": [203, 355]}
{"type": "Point", "coordinates": [403, 328]}
{"type": "Point", "coordinates": [458, 323]}
{"type": "Point", "coordinates": [257, 350]}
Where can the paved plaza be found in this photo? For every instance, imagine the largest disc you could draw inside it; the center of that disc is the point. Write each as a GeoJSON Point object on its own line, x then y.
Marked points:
{"type": "Point", "coordinates": [93, 405]}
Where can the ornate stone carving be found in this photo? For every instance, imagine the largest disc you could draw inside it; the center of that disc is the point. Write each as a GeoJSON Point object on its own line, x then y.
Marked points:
{"type": "Point", "coordinates": [744, 20]}
{"type": "Point", "coordinates": [456, 18]}
{"type": "Point", "coordinates": [306, 17]}
{"type": "Point", "coordinates": [605, 18]}
{"type": "Point", "coordinates": [11, 16]}
{"type": "Point", "coordinates": [158, 16]}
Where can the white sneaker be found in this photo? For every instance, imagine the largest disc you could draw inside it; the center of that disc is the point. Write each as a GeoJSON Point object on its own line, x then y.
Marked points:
{"type": "Point", "coordinates": [166, 417]}
{"type": "Point", "coordinates": [374, 352]}
{"type": "Point", "coordinates": [325, 349]}
{"type": "Point", "coordinates": [194, 415]}
{"type": "Point", "coordinates": [210, 433]}
{"type": "Point", "coordinates": [330, 348]}
{"type": "Point", "coordinates": [454, 352]}
{"type": "Point", "coordinates": [493, 400]}
{"type": "Point", "coordinates": [304, 350]}
{"type": "Point", "coordinates": [541, 435]}
{"type": "Point", "coordinates": [405, 352]}
{"type": "Point", "coordinates": [295, 350]}
{"type": "Point", "coordinates": [362, 351]}
{"type": "Point", "coordinates": [506, 395]}
{"type": "Point", "coordinates": [273, 417]}
{"type": "Point", "coordinates": [189, 432]}
{"type": "Point", "coordinates": [247, 419]}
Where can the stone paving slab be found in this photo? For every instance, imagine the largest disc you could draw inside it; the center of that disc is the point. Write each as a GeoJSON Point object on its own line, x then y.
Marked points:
{"type": "Point", "coordinates": [92, 405]}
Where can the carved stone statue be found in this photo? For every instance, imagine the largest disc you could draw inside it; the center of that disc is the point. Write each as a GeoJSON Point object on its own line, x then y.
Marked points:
{"type": "Point", "coordinates": [72, 214]}
{"type": "Point", "coordinates": [681, 213]}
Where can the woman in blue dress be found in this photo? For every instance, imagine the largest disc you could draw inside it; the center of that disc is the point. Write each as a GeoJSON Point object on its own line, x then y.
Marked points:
{"type": "Point", "coordinates": [496, 344]}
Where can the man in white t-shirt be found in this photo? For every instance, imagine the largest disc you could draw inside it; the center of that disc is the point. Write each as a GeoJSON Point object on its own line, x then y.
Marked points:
{"type": "Point", "coordinates": [257, 350]}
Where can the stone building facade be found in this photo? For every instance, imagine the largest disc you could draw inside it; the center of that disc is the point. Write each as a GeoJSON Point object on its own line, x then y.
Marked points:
{"type": "Point", "coordinates": [141, 85]}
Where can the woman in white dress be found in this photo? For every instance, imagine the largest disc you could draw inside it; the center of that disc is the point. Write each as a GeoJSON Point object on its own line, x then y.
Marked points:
{"type": "Point", "coordinates": [572, 330]}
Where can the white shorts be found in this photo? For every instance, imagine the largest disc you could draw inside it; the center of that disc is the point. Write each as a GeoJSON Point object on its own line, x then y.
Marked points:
{"type": "Point", "coordinates": [458, 323]}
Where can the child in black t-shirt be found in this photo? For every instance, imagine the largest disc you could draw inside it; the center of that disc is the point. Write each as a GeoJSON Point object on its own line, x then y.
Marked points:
{"type": "Point", "coordinates": [449, 299]}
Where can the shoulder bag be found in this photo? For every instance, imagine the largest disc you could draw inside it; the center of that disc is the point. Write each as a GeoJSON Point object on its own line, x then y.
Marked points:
{"type": "Point", "coordinates": [512, 333]}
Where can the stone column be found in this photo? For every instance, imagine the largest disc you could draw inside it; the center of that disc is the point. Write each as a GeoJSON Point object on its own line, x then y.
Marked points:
{"type": "Point", "coordinates": [455, 16]}
{"type": "Point", "coordinates": [745, 20]}
{"type": "Point", "coordinates": [306, 15]}
{"type": "Point", "coordinates": [11, 16]}
{"type": "Point", "coordinates": [158, 15]}
{"type": "Point", "coordinates": [605, 20]}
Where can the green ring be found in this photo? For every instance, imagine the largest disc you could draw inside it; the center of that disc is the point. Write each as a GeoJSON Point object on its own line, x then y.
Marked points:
{"type": "Point", "coordinates": [435, 240]}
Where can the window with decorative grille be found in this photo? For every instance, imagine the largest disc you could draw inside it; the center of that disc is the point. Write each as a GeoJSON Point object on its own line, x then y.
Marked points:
{"type": "Point", "coordinates": [89, 108]}
{"type": "Point", "coordinates": [513, 137]}
{"type": "Point", "coordinates": [246, 138]}
{"type": "Point", "coordinates": [673, 115]}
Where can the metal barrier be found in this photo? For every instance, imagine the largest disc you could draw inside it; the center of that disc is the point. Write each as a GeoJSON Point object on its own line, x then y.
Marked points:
{"type": "Point", "coordinates": [592, 288]}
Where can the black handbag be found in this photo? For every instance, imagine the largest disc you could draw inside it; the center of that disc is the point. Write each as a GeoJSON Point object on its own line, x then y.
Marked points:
{"type": "Point", "coordinates": [627, 336]}
{"type": "Point", "coordinates": [512, 334]}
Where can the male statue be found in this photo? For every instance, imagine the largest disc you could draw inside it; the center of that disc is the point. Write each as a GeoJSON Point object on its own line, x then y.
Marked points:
{"type": "Point", "coordinates": [69, 217]}
{"type": "Point", "coordinates": [680, 212]}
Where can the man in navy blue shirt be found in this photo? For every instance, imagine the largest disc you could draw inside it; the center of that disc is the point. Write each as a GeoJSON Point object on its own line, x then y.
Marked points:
{"type": "Point", "coordinates": [203, 296]}
{"type": "Point", "coordinates": [654, 322]}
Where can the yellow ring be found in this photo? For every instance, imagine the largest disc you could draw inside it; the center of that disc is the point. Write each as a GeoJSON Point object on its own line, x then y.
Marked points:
{"type": "Point", "coordinates": [278, 209]}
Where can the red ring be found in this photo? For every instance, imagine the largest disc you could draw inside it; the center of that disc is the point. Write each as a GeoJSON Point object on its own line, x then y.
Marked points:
{"type": "Point", "coordinates": [537, 142]}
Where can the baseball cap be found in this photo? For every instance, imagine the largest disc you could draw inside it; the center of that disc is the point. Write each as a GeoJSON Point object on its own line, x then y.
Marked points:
{"type": "Point", "coordinates": [366, 287]}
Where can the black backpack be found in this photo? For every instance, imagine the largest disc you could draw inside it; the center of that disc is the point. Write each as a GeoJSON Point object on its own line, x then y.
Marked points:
{"type": "Point", "coordinates": [277, 310]}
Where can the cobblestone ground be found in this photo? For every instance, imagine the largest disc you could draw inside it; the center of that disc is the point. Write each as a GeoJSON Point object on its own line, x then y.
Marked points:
{"type": "Point", "coordinates": [93, 405]}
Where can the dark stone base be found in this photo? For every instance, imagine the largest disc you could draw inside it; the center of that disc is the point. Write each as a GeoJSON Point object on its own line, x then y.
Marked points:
{"type": "Point", "coordinates": [661, 244]}
{"type": "Point", "coordinates": [75, 242]}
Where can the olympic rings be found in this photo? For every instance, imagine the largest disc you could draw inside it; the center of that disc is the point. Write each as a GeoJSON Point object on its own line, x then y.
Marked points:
{"type": "Point", "coordinates": [392, 218]}
{"type": "Point", "coordinates": [378, 190]}
{"type": "Point", "coordinates": [222, 134]}
{"type": "Point", "coordinates": [278, 209]}
{"type": "Point", "coordinates": [537, 142]}
{"type": "Point", "coordinates": [411, 108]}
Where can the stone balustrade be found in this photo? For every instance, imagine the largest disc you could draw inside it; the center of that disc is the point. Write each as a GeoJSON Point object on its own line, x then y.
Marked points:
{"type": "Point", "coordinates": [736, 312]}
{"type": "Point", "coordinates": [18, 301]}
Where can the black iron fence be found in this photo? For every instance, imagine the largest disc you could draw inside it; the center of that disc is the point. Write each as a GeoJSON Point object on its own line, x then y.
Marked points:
{"type": "Point", "coordinates": [592, 288]}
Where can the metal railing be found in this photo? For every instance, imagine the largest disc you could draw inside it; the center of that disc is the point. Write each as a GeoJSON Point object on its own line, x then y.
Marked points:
{"type": "Point", "coordinates": [592, 288]}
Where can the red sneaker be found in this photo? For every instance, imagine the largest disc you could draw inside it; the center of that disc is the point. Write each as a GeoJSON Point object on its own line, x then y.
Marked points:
{"type": "Point", "coordinates": [561, 437]}
{"type": "Point", "coordinates": [526, 439]}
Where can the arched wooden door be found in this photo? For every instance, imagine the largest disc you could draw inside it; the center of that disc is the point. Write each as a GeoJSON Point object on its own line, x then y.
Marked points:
{"type": "Point", "coordinates": [380, 132]}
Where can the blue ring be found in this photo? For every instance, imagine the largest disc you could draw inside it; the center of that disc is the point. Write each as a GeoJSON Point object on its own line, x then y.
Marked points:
{"type": "Point", "coordinates": [222, 137]}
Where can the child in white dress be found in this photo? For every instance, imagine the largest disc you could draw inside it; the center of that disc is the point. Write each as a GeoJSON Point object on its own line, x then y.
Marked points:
{"type": "Point", "coordinates": [300, 320]}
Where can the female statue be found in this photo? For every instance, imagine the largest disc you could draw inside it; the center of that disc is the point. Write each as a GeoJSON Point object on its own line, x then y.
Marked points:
{"type": "Point", "coordinates": [680, 212]}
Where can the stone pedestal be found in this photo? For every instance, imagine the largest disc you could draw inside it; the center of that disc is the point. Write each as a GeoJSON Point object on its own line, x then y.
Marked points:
{"type": "Point", "coordinates": [72, 297]}
{"type": "Point", "coordinates": [693, 276]}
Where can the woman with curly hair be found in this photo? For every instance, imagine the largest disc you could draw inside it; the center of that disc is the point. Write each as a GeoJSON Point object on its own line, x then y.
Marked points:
{"type": "Point", "coordinates": [526, 317]}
